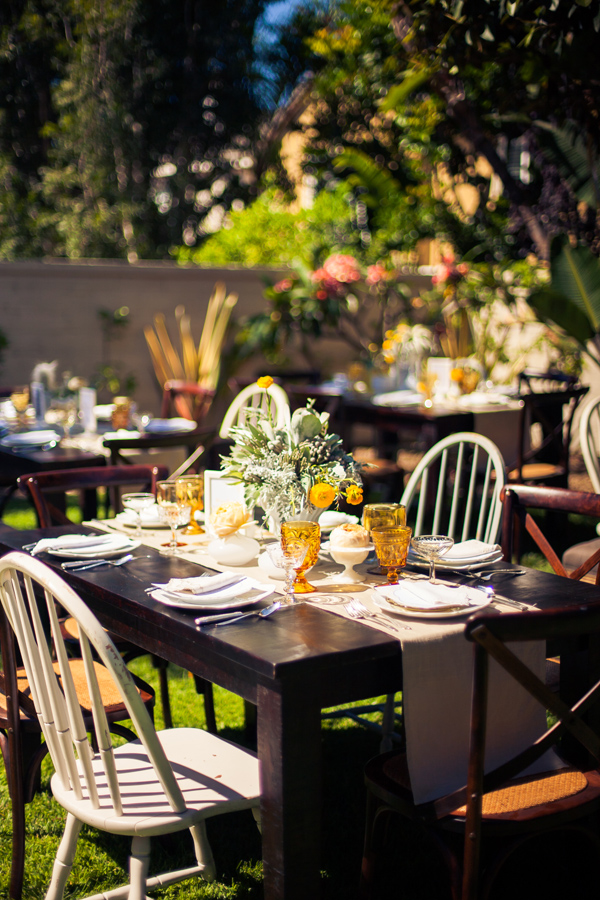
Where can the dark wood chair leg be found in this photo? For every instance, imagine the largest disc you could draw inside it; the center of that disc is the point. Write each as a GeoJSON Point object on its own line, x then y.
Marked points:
{"type": "Point", "coordinates": [163, 680]}
{"type": "Point", "coordinates": [206, 689]}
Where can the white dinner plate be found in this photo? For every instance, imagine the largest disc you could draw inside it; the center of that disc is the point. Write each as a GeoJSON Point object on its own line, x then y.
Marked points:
{"type": "Point", "coordinates": [458, 565]}
{"type": "Point", "coordinates": [477, 600]}
{"type": "Point", "coordinates": [202, 601]}
{"type": "Point", "coordinates": [108, 551]}
{"type": "Point", "coordinates": [30, 438]}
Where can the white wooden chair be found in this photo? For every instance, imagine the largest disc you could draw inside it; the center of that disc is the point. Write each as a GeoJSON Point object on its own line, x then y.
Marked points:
{"type": "Point", "coordinates": [252, 398]}
{"type": "Point", "coordinates": [456, 488]}
{"type": "Point", "coordinates": [159, 784]}
{"type": "Point", "coordinates": [589, 439]}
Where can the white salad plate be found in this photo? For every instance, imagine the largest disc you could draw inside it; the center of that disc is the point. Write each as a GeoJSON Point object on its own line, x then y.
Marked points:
{"type": "Point", "coordinates": [96, 551]}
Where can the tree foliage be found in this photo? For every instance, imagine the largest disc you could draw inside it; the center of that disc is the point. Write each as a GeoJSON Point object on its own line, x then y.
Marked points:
{"type": "Point", "coordinates": [127, 127]}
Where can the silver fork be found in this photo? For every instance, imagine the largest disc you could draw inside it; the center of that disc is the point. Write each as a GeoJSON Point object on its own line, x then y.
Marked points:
{"type": "Point", "coordinates": [358, 610]}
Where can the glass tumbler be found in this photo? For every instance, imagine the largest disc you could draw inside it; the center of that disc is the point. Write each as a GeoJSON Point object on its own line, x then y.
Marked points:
{"type": "Point", "coordinates": [190, 489]}
{"type": "Point", "coordinates": [391, 547]}
{"type": "Point", "coordinates": [294, 533]}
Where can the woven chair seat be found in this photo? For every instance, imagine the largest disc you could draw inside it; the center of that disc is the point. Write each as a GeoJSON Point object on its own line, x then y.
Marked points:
{"type": "Point", "coordinates": [523, 798]}
{"type": "Point", "coordinates": [111, 697]}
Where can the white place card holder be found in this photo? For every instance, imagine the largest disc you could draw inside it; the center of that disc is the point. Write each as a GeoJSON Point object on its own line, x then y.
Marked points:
{"type": "Point", "coordinates": [218, 490]}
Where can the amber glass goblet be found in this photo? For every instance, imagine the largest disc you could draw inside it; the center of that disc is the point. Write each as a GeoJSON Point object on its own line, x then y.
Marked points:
{"type": "Point", "coordinates": [293, 534]}
{"type": "Point", "coordinates": [190, 489]}
{"type": "Point", "coordinates": [382, 515]}
{"type": "Point", "coordinates": [391, 547]}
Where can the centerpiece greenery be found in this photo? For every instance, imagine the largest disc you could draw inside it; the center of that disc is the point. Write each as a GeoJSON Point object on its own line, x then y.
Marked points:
{"type": "Point", "coordinates": [296, 471]}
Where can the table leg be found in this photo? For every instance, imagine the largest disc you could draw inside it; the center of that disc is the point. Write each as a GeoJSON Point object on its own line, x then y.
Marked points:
{"type": "Point", "coordinates": [289, 748]}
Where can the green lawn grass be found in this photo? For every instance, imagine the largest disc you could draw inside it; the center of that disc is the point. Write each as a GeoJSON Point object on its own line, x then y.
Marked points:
{"type": "Point", "coordinates": [102, 859]}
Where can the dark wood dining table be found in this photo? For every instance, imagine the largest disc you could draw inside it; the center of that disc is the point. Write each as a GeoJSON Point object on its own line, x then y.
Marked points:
{"type": "Point", "coordinates": [291, 665]}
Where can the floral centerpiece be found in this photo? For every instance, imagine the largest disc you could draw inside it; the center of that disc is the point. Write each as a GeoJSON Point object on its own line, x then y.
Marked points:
{"type": "Point", "coordinates": [337, 297]}
{"type": "Point", "coordinates": [404, 349]}
{"type": "Point", "coordinates": [294, 472]}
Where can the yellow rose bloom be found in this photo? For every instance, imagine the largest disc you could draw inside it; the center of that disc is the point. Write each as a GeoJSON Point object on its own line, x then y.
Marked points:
{"type": "Point", "coordinates": [265, 381]}
{"type": "Point", "coordinates": [354, 494]}
{"type": "Point", "coordinates": [321, 495]}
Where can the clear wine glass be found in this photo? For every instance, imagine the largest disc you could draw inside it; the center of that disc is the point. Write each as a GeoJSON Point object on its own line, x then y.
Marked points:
{"type": "Point", "coordinates": [288, 560]}
{"type": "Point", "coordinates": [173, 511]}
{"type": "Point", "coordinates": [431, 547]}
{"type": "Point", "coordinates": [136, 503]}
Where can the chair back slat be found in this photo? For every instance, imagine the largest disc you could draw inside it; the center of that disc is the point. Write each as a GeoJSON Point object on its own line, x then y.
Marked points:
{"type": "Point", "coordinates": [49, 697]}
{"type": "Point", "coordinates": [589, 440]}
{"type": "Point", "coordinates": [456, 489]}
{"type": "Point", "coordinates": [439, 499]}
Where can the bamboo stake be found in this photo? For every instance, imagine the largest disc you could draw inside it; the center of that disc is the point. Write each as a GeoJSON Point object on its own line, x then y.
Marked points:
{"type": "Point", "coordinates": [157, 356]}
{"type": "Point", "coordinates": [168, 349]}
{"type": "Point", "coordinates": [188, 349]}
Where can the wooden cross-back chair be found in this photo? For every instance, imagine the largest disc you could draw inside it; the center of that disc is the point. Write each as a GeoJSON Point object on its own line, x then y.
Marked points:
{"type": "Point", "coordinates": [519, 499]}
{"type": "Point", "coordinates": [188, 399]}
{"type": "Point", "coordinates": [158, 784]}
{"type": "Point", "coordinates": [504, 805]}
{"type": "Point", "coordinates": [41, 486]}
{"type": "Point", "coordinates": [23, 751]}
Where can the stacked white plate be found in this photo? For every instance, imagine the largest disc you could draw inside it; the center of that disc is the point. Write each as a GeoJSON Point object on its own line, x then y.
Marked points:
{"type": "Point", "coordinates": [462, 557]}
{"type": "Point", "coordinates": [86, 546]}
{"type": "Point", "coordinates": [30, 439]}
{"type": "Point", "coordinates": [220, 591]}
{"type": "Point", "coordinates": [168, 426]}
{"type": "Point", "coordinates": [422, 600]}
{"type": "Point", "coordinates": [150, 518]}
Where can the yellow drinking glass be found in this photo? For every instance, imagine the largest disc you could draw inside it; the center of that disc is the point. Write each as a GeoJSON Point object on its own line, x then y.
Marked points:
{"type": "Point", "coordinates": [391, 547]}
{"type": "Point", "coordinates": [383, 515]}
{"type": "Point", "coordinates": [190, 489]}
{"type": "Point", "coordinates": [293, 534]}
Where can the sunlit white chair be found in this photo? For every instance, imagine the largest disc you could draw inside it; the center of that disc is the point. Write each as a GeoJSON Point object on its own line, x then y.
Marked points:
{"type": "Point", "coordinates": [159, 784]}
{"type": "Point", "coordinates": [455, 489]}
{"type": "Point", "coordinates": [250, 398]}
{"type": "Point", "coordinates": [589, 439]}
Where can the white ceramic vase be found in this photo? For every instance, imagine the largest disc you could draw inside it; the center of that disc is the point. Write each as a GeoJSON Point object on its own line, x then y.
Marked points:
{"type": "Point", "coordinates": [233, 550]}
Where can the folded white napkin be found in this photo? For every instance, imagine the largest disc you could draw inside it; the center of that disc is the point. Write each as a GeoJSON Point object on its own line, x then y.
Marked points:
{"type": "Point", "coordinates": [74, 542]}
{"type": "Point", "coordinates": [331, 518]}
{"type": "Point", "coordinates": [469, 550]}
{"type": "Point", "coordinates": [424, 595]}
{"type": "Point", "coordinates": [202, 584]}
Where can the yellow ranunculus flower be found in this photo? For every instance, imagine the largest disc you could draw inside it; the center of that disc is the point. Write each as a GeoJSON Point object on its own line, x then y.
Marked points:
{"type": "Point", "coordinates": [354, 494]}
{"type": "Point", "coordinates": [265, 381]}
{"type": "Point", "coordinates": [321, 495]}
{"type": "Point", "coordinates": [456, 374]}
{"type": "Point", "coordinates": [387, 345]}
